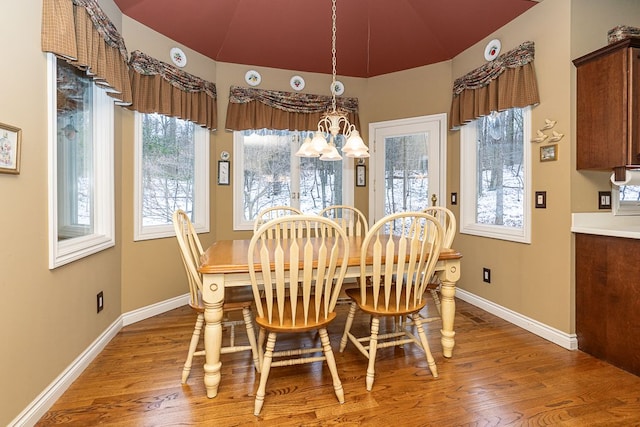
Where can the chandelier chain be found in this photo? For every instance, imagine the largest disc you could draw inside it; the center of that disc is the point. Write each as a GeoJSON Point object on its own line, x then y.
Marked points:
{"type": "Point", "coordinates": [333, 54]}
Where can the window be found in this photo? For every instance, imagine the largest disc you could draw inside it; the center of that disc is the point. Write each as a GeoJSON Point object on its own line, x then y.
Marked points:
{"type": "Point", "coordinates": [495, 176]}
{"type": "Point", "coordinates": [626, 199]}
{"type": "Point", "coordinates": [171, 172]}
{"type": "Point", "coordinates": [267, 173]}
{"type": "Point", "coordinates": [81, 200]}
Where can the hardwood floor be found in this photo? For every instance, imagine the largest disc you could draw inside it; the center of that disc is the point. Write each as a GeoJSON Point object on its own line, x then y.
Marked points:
{"type": "Point", "coordinates": [499, 375]}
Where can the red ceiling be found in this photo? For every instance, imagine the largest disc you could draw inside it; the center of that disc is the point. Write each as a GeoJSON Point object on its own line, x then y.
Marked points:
{"type": "Point", "coordinates": [374, 37]}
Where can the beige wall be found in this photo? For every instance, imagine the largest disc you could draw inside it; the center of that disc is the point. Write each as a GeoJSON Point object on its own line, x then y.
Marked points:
{"type": "Point", "coordinates": [48, 317]}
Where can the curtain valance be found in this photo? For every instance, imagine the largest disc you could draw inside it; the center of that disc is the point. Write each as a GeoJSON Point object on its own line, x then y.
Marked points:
{"type": "Point", "coordinates": [507, 82]}
{"type": "Point", "coordinates": [251, 108]}
{"type": "Point", "coordinates": [79, 32]}
{"type": "Point", "coordinates": [159, 87]}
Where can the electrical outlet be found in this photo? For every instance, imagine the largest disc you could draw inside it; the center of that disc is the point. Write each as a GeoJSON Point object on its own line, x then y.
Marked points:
{"type": "Point", "coordinates": [486, 275]}
{"type": "Point", "coordinates": [604, 199]}
{"type": "Point", "coordinates": [100, 301]}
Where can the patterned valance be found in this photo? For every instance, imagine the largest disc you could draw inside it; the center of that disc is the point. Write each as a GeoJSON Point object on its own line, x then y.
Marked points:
{"type": "Point", "coordinates": [508, 81]}
{"type": "Point", "coordinates": [79, 32]}
{"type": "Point", "coordinates": [251, 108]}
{"type": "Point", "coordinates": [159, 87]}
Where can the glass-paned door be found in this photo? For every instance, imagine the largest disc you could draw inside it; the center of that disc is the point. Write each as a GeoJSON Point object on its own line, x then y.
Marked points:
{"type": "Point", "coordinates": [407, 165]}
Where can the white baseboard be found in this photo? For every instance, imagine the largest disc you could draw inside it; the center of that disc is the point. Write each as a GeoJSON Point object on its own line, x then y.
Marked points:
{"type": "Point", "coordinates": [563, 339]}
{"type": "Point", "coordinates": [154, 309]}
{"type": "Point", "coordinates": [45, 400]}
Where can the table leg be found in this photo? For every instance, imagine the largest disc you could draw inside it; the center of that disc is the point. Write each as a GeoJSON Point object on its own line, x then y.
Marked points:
{"type": "Point", "coordinates": [449, 277]}
{"type": "Point", "coordinates": [213, 298]}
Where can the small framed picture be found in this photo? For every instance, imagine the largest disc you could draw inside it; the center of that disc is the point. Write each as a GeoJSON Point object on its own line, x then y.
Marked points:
{"type": "Point", "coordinates": [223, 172]}
{"type": "Point", "coordinates": [549, 153]}
{"type": "Point", "coordinates": [10, 140]}
{"type": "Point", "coordinates": [361, 176]}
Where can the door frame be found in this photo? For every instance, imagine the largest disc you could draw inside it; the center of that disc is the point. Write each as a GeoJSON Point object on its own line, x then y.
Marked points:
{"type": "Point", "coordinates": [440, 156]}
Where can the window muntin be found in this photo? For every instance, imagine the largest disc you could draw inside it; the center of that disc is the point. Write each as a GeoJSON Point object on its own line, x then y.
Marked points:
{"type": "Point", "coordinates": [171, 172]}
{"type": "Point", "coordinates": [267, 173]}
{"type": "Point", "coordinates": [495, 176]}
{"type": "Point", "coordinates": [81, 164]}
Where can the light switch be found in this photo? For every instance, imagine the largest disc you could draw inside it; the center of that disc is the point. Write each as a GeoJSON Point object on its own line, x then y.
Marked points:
{"type": "Point", "coordinates": [604, 199]}
{"type": "Point", "coordinates": [541, 199]}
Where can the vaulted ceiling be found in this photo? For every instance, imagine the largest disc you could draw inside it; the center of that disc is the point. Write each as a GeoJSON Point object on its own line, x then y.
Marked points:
{"type": "Point", "coordinates": [374, 37]}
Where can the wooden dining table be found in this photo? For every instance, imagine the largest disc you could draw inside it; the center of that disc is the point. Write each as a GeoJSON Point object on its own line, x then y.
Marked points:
{"type": "Point", "coordinates": [225, 264]}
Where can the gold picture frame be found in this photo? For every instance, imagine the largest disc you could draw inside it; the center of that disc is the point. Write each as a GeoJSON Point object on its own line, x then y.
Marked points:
{"type": "Point", "coordinates": [549, 153]}
{"type": "Point", "coordinates": [10, 141]}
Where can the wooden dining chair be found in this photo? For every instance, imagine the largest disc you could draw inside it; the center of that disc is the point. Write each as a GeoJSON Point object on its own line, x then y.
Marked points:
{"type": "Point", "coordinates": [354, 223]}
{"type": "Point", "coordinates": [403, 249]}
{"type": "Point", "coordinates": [273, 212]}
{"type": "Point", "coordinates": [237, 299]}
{"type": "Point", "coordinates": [449, 225]}
{"type": "Point", "coordinates": [352, 220]}
{"type": "Point", "coordinates": [301, 279]}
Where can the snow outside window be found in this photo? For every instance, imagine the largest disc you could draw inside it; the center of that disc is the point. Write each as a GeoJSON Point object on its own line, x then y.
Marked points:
{"type": "Point", "coordinates": [496, 176]}
{"type": "Point", "coordinates": [171, 172]}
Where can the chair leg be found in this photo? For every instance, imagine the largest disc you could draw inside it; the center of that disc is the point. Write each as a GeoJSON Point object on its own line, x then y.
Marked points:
{"type": "Point", "coordinates": [331, 362]}
{"type": "Point", "coordinates": [425, 345]}
{"type": "Point", "coordinates": [195, 339]}
{"type": "Point", "coordinates": [261, 338]}
{"type": "Point", "coordinates": [347, 326]}
{"type": "Point", "coordinates": [436, 300]}
{"type": "Point", "coordinates": [248, 321]}
{"type": "Point", "coordinates": [373, 348]}
{"type": "Point", "coordinates": [264, 373]}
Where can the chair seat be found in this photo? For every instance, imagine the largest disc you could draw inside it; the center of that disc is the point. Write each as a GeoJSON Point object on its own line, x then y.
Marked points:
{"type": "Point", "coordinates": [354, 294]}
{"type": "Point", "coordinates": [287, 324]}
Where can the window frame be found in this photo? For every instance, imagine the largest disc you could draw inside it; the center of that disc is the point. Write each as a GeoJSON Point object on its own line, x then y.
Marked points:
{"type": "Point", "coordinates": [468, 181]}
{"type": "Point", "coordinates": [201, 185]}
{"type": "Point", "coordinates": [239, 223]}
{"type": "Point", "coordinates": [103, 236]}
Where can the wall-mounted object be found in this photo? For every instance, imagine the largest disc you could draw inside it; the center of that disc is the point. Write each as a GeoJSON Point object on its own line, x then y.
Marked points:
{"type": "Point", "coordinates": [541, 199]}
{"type": "Point", "coordinates": [337, 88]}
{"type": "Point", "coordinates": [252, 77]}
{"type": "Point", "coordinates": [604, 199]}
{"type": "Point", "coordinates": [178, 57]}
{"type": "Point", "coordinates": [361, 176]}
{"type": "Point", "coordinates": [10, 140]}
{"type": "Point", "coordinates": [492, 50]}
{"type": "Point", "coordinates": [549, 153]}
{"type": "Point", "coordinates": [224, 170]}
{"type": "Point", "coordinates": [225, 155]}
{"type": "Point", "coordinates": [297, 83]}
{"type": "Point", "coordinates": [555, 136]}
{"type": "Point", "coordinates": [548, 124]}
{"type": "Point", "coordinates": [540, 136]}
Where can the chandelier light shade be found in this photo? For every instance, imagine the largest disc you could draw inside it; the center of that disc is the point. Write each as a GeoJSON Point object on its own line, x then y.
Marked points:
{"type": "Point", "coordinates": [333, 122]}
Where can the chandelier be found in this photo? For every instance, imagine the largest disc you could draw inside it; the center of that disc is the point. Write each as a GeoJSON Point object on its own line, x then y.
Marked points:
{"type": "Point", "coordinates": [333, 122]}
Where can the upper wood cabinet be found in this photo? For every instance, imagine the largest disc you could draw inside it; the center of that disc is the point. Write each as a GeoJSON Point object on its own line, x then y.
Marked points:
{"type": "Point", "coordinates": [608, 93]}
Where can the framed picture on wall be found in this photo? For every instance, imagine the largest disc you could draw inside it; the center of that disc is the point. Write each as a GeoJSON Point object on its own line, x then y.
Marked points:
{"type": "Point", "coordinates": [10, 140]}
{"type": "Point", "coordinates": [549, 153]}
{"type": "Point", "coordinates": [361, 176]}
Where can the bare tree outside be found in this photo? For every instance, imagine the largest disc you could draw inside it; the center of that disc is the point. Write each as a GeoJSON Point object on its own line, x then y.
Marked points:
{"type": "Point", "coordinates": [268, 166]}
{"type": "Point", "coordinates": [167, 168]}
{"type": "Point", "coordinates": [500, 169]}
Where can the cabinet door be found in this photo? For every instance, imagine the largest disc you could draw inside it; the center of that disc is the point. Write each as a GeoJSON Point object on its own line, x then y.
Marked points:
{"type": "Point", "coordinates": [608, 299]}
{"type": "Point", "coordinates": [602, 111]}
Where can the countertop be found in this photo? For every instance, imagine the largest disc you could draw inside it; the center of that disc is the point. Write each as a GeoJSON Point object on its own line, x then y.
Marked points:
{"type": "Point", "coordinates": [606, 224]}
